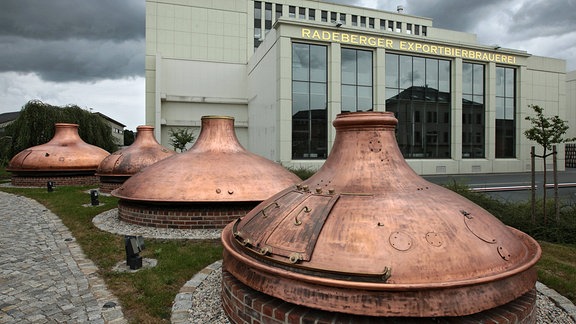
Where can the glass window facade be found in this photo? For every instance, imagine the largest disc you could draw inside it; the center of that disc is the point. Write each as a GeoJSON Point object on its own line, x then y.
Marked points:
{"type": "Point", "coordinates": [418, 92]}
{"type": "Point", "coordinates": [473, 111]}
{"type": "Point", "coordinates": [309, 101]}
{"type": "Point", "coordinates": [505, 112]}
{"type": "Point", "coordinates": [356, 80]}
{"type": "Point", "coordinates": [257, 24]}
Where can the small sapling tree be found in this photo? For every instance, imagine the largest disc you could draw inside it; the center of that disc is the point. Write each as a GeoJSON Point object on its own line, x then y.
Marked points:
{"type": "Point", "coordinates": [546, 131]}
{"type": "Point", "coordinates": [180, 138]}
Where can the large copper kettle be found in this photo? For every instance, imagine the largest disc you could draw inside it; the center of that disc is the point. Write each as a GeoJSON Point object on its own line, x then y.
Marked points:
{"type": "Point", "coordinates": [65, 152]}
{"type": "Point", "coordinates": [366, 235]}
{"type": "Point", "coordinates": [144, 152]}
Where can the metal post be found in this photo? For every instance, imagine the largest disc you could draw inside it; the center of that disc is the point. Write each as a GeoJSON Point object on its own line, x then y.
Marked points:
{"type": "Point", "coordinates": [50, 186]}
{"type": "Point", "coordinates": [533, 196]}
{"type": "Point", "coordinates": [555, 170]}
{"type": "Point", "coordinates": [94, 197]}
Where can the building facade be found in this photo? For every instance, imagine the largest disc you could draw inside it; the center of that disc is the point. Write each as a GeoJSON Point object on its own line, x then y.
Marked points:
{"type": "Point", "coordinates": [284, 70]}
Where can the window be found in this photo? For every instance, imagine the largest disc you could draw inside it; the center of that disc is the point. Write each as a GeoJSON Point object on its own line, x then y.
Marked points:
{"type": "Point", "coordinates": [408, 28]}
{"type": "Point", "coordinates": [473, 111]}
{"type": "Point", "coordinates": [505, 112]}
{"type": "Point", "coordinates": [292, 11]}
{"type": "Point", "coordinates": [354, 20]}
{"type": "Point", "coordinates": [324, 16]}
{"type": "Point", "coordinates": [268, 16]}
{"type": "Point", "coordinates": [257, 24]}
{"type": "Point", "coordinates": [343, 18]}
{"type": "Point", "coordinates": [302, 13]}
{"type": "Point", "coordinates": [362, 21]}
{"type": "Point", "coordinates": [371, 22]}
{"type": "Point", "coordinates": [416, 29]}
{"type": "Point", "coordinates": [356, 80]}
{"type": "Point", "coordinates": [311, 14]}
{"type": "Point", "coordinates": [382, 24]}
{"type": "Point", "coordinates": [333, 17]}
{"type": "Point", "coordinates": [398, 27]}
{"type": "Point", "coordinates": [418, 92]}
{"type": "Point", "coordinates": [390, 25]}
{"type": "Point", "coordinates": [278, 11]}
{"type": "Point", "coordinates": [424, 31]}
{"type": "Point", "coordinates": [309, 101]}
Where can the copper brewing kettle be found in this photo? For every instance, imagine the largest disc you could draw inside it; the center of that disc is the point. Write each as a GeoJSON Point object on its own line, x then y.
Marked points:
{"type": "Point", "coordinates": [366, 235]}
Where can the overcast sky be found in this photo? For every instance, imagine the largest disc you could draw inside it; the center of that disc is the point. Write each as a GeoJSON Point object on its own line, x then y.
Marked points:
{"type": "Point", "coordinates": [91, 53]}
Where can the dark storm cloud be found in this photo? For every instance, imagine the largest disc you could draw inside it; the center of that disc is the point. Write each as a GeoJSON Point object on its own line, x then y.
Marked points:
{"type": "Point", "coordinates": [544, 18]}
{"type": "Point", "coordinates": [67, 40]}
{"type": "Point", "coordinates": [460, 15]}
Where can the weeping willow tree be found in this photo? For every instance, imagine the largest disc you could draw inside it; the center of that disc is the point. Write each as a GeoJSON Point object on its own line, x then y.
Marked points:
{"type": "Point", "coordinates": [35, 126]}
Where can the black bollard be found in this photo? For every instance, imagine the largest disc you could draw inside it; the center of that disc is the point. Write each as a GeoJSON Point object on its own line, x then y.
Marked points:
{"type": "Point", "coordinates": [50, 186]}
{"type": "Point", "coordinates": [94, 197]}
{"type": "Point", "coordinates": [134, 245]}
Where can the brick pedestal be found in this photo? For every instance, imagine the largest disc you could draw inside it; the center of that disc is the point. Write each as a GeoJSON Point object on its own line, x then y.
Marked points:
{"type": "Point", "coordinates": [183, 215]}
{"type": "Point", "coordinates": [243, 304]}
{"type": "Point", "coordinates": [79, 180]}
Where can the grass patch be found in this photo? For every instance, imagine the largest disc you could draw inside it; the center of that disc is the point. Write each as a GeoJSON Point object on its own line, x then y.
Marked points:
{"type": "Point", "coordinates": [147, 295]}
{"type": "Point", "coordinates": [557, 268]}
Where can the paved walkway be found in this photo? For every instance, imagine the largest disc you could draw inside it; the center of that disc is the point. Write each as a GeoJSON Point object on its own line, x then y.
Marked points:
{"type": "Point", "coordinates": [44, 275]}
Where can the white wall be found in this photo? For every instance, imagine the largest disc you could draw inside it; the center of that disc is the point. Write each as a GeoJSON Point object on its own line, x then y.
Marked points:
{"type": "Point", "coordinates": [263, 97]}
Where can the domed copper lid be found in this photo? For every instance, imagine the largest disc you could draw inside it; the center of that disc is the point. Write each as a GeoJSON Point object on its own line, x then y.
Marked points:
{"type": "Point", "coordinates": [144, 152]}
{"type": "Point", "coordinates": [66, 151]}
{"type": "Point", "coordinates": [367, 235]}
{"type": "Point", "coordinates": [215, 168]}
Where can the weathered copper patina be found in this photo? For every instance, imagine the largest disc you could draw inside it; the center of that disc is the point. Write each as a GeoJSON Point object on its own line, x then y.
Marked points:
{"type": "Point", "coordinates": [216, 168]}
{"type": "Point", "coordinates": [144, 152]}
{"type": "Point", "coordinates": [366, 235]}
{"type": "Point", "coordinates": [65, 153]}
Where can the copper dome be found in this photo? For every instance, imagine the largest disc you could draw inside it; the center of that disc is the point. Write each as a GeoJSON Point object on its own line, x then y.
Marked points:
{"type": "Point", "coordinates": [65, 152]}
{"type": "Point", "coordinates": [144, 152]}
{"type": "Point", "coordinates": [366, 235]}
{"type": "Point", "coordinates": [215, 168]}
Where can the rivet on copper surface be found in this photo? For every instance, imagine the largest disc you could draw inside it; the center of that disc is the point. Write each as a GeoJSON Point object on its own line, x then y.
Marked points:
{"type": "Point", "coordinates": [218, 190]}
{"type": "Point", "coordinates": [299, 186]}
{"type": "Point", "coordinates": [305, 188]}
{"type": "Point", "coordinates": [295, 257]}
{"type": "Point", "coordinates": [265, 250]}
{"type": "Point", "coordinates": [318, 190]}
{"type": "Point", "coordinates": [433, 239]}
{"type": "Point", "coordinates": [400, 241]}
{"type": "Point", "coordinates": [265, 209]}
{"type": "Point", "coordinates": [386, 274]}
{"type": "Point", "coordinates": [47, 154]}
{"type": "Point", "coordinates": [304, 209]}
{"type": "Point", "coordinates": [230, 191]}
{"type": "Point", "coordinates": [246, 242]}
{"type": "Point", "coordinates": [466, 214]}
{"type": "Point", "coordinates": [331, 191]}
{"type": "Point", "coordinates": [504, 253]}
{"type": "Point", "coordinates": [380, 224]}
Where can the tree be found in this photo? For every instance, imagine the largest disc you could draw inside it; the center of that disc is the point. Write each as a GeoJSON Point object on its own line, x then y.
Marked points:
{"type": "Point", "coordinates": [546, 131]}
{"type": "Point", "coordinates": [35, 126]}
{"type": "Point", "coordinates": [180, 138]}
{"type": "Point", "coordinates": [128, 137]}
